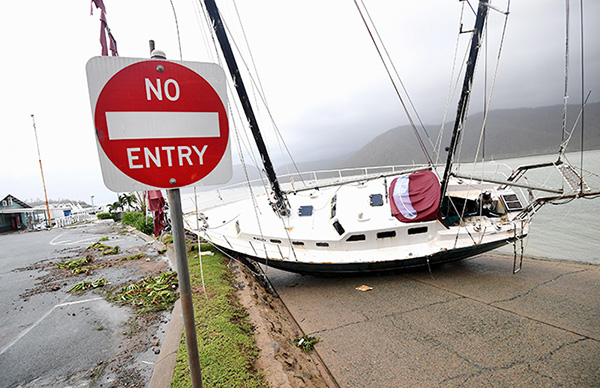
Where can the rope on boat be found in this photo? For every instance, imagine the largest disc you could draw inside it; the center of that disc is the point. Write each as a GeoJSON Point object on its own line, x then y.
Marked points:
{"type": "Point", "coordinates": [451, 90]}
{"type": "Point", "coordinates": [178, 39]}
{"type": "Point", "coordinates": [379, 51]}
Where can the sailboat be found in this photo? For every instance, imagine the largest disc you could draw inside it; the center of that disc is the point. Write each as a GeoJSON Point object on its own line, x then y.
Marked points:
{"type": "Point", "coordinates": [377, 219]}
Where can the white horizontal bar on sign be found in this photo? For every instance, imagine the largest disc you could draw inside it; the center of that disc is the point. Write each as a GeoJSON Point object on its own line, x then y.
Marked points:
{"type": "Point", "coordinates": [161, 125]}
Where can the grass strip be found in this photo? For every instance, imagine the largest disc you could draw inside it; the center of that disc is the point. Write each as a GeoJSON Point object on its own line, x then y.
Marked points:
{"type": "Point", "coordinates": [226, 344]}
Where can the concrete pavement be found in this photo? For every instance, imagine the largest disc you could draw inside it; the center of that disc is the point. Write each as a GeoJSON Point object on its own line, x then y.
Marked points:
{"type": "Point", "coordinates": [469, 324]}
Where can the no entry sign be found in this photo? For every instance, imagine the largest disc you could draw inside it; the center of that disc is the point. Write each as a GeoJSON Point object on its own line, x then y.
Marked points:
{"type": "Point", "coordinates": [159, 124]}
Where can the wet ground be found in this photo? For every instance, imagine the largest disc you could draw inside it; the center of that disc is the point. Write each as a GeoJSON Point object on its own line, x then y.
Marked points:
{"type": "Point", "coordinates": [467, 324]}
{"type": "Point", "coordinates": [52, 338]}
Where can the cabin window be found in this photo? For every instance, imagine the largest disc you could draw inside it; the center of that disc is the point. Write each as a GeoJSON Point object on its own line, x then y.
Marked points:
{"type": "Point", "coordinates": [305, 211]}
{"type": "Point", "coordinates": [387, 234]}
{"type": "Point", "coordinates": [357, 237]}
{"type": "Point", "coordinates": [511, 202]}
{"type": "Point", "coordinates": [338, 227]}
{"type": "Point", "coordinates": [333, 207]}
{"type": "Point", "coordinates": [275, 241]}
{"type": "Point", "coordinates": [4, 203]}
{"type": "Point", "coordinates": [10, 201]}
{"type": "Point", "coordinates": [418, 230]}
{"type": "Point", "coordinates": [298, 243]}
{"type": "Point", "coordinates": [322, 244]}
{"type": "Point", "coordinates": [376, 199]}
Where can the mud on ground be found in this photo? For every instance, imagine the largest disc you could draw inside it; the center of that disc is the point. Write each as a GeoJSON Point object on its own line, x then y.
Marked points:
{"type": "Point", "coordinates": [283, 364]}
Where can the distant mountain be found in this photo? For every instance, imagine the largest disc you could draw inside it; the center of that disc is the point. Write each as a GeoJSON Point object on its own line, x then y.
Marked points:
{"type": "Point", "coordinates": [509, 133]}
{"type": "Point", "coordinates": [324, 164]}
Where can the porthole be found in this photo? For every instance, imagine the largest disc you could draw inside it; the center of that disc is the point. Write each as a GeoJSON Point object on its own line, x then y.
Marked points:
{"type": "Point", "coordinates": [417, 230]}
{"type": "Point", "coordinates": [387, 234]}
{"type": "Point", "coordinates": [357, 237]}
{"type": "Point", "coordinates": [322, 244]}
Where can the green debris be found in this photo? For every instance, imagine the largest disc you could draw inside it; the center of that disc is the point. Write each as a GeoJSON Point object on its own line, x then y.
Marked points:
{"type": "Point", "coordinates": [99, 246]}
{"type": "Point", "coordinates": [306, 343]}
{"type": "Point", "coordinates": [88, 285]}
{"type": "Point", "coordinates": [76, 266]}
{"type": "Point", "coordinates": [105, 249]}
{"type": "Point", "coordinates": [105, 238]}
{"type": "Point", "coordinates": [133, 257]}
{"type": "Point", "coordinates": [153, 293]}
{"type": "Point", "coordinates": [112, 251]}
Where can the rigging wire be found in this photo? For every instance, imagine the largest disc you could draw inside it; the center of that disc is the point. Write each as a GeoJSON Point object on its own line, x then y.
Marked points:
{"type": "Point", "coordinates": [489, 99]}
{"type": "Point", "coordinates": [582, 92]}
{"type": "Point", "coordinates": [412, 124]}
{"type": "Point", "coordinates": [246, 145]}
{"type": "Point", "coordinates": [198, 238]}
{"type": "Point", "coordinates": [566, 92]}
{"type": "Point", "coordinates": [177, 28]}
{"type": "Point", "coordinates": [258, 90]}
{"type": "Point", "coordinates": [451, 91]}
{"type": "Point", "coordinates": [392, 64]}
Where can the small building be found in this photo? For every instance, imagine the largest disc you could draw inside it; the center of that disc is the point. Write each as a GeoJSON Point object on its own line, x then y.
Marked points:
{"type": "Point", "coordinates": [15, 214]}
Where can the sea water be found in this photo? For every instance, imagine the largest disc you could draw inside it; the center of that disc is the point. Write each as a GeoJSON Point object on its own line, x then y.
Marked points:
{"type": "Point", "coordinates": [570, 231]}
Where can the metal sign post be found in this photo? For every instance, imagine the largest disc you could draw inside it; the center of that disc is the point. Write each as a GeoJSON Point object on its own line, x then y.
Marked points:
{"type": "Point", "coordinates": [185, 288]}
{"type": "Point", "coordinates": [162, 125]}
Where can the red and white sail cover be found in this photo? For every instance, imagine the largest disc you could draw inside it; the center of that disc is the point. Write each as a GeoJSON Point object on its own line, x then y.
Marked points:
{"type": "Point", "coordinates": [415, 197]}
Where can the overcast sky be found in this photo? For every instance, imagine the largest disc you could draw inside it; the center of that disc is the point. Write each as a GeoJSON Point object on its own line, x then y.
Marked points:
{"type": "Point", "coordinates": [321, 75]}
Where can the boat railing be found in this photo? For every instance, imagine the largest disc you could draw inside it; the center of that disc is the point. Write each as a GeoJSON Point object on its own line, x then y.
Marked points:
{"type": "Point", "coordinates": [316, 179]}
{"type": "Point", "coordinates": [309, 180]}
{"type": "Point", "coordinates": [292, 183]}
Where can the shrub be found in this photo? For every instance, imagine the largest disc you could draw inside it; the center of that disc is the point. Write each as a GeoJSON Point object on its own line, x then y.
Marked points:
{"type": "Point", "coordinates": [130, 218]}
{"type": "Point", "coordinates": [139, 221]}
{"type": "Point", "coordinates": [145, 225]}
{"type": "Point", "coordinates": [104, 216]}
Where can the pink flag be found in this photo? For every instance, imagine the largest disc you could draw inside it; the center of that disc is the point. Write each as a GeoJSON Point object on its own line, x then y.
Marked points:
{"type": "Point", "coordinates": [104, 30]}
{"type": "Point", "coordinates": [98, 4]}
{"type": "Point", "coordinates": [103, 26]}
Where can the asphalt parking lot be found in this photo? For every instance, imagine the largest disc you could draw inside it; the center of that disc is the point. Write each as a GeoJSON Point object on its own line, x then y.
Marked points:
{"type": "Point", "coordinates": [52, 338]}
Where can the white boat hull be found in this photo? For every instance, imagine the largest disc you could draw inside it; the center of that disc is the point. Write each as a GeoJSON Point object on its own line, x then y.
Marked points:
{"type": "Point", "coordinates": [370, 238]}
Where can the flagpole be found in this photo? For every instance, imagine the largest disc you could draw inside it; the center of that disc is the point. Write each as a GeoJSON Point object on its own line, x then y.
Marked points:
{"type": "Point", "coordinates": [41, 170]}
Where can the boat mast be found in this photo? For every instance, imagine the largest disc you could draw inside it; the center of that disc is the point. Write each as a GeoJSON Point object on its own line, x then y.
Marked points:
{"type": "Point", "coordinates": [281, 205]}
{"type": "Point", "coordinates": [463, 103]}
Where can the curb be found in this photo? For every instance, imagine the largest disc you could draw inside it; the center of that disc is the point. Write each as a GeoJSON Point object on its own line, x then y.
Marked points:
{"type": "Point", "coordinates": [165, 365]}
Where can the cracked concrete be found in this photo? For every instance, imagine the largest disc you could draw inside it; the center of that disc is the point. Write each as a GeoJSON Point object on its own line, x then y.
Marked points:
{"type": "Point", "coordinates": [471, 324]}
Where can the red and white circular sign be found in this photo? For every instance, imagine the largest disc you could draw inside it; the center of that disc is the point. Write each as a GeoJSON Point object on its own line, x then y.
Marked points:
{"type": "Point", "coordinates": [161, 124]}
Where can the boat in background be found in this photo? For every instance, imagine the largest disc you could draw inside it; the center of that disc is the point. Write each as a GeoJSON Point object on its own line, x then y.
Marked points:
{"type": "Point", "coordinates": [378, 219]}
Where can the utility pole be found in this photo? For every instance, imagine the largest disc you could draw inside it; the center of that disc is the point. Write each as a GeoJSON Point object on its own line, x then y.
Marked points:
{"type": "Point", "coordinates": [41, 170]}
